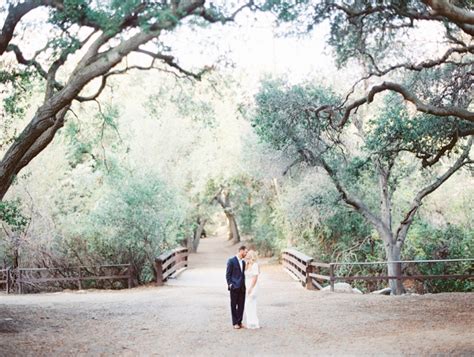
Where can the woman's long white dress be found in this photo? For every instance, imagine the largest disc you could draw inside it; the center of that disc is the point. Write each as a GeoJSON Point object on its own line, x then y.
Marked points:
{"type": "Point", "coordinates": [250, 310]}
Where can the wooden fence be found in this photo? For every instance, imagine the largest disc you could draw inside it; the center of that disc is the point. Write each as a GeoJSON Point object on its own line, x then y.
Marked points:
{"type": "Point", "coordinates": [169, 263]}
{"type": "Point", "coordinates": [298, 265]}
{"type": "Point", "coordinates": [32, 277]}
{"type": "Point", "coordinates": [308, 272]}
{"type": "Point", "coordinates": [5, 279]}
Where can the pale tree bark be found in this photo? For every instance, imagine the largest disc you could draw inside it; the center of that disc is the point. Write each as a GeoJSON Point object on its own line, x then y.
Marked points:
{"type": "Point", "coordinates": [50, 116]}
{"type": "Point", "coordinates": [193, 243]}
{"type": "Point", "coordinates": [392, 251]}
{"type": "Point", "coordinates": [382, 223]}
{"type": "Point", "coordinates": [447, 111]}
{"type": "Point", "coordinates": [223, 198]}
{"type": "Point", "coordinates": [393, 254]}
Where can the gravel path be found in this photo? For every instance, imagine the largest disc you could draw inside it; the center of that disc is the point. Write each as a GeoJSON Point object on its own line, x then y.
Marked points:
{"type": "Point", "coordinates": [190, 316]}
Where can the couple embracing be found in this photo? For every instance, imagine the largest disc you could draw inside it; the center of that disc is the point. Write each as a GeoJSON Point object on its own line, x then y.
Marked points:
{"type": "Point", "coordinates": [242, 282]}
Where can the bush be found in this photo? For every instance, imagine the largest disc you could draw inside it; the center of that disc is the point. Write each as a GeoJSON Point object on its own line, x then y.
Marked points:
{"type": "Point", "coordinates": [135, 219]}
{"type": "Point", "coordinates": [425, 242]}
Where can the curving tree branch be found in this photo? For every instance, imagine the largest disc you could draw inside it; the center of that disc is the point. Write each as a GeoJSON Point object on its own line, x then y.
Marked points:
{"type": "Point", "coordinates": [455, 111]}
{"type": "Point", "coordinates": [451, 11]}
{"type": "Point", "coordinates": [404, 225]}
{"type": "Point", "coordinates": [309, 157]}
{"type": "Point", "coordinates": [170, 61]}
{"type": "Point", "coordinates": [104, 48]}
{"type": "Point", "coordinates": [14, 15]}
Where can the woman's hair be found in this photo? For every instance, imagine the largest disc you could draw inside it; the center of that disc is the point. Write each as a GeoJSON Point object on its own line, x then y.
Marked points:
{"type": "Point", "coordinates": [251, 257]}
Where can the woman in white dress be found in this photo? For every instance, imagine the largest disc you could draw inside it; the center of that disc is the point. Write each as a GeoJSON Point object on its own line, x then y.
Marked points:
{"type": "Point", "coordinates": [252, 271]}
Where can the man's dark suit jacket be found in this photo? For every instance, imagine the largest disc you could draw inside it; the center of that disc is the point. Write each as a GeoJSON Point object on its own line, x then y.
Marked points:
{"type": "Point", "coordinates": [234, 275]}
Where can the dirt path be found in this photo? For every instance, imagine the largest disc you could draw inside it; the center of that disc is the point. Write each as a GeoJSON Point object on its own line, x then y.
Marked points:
{"type": "Point", "coordinates": [190, 316]}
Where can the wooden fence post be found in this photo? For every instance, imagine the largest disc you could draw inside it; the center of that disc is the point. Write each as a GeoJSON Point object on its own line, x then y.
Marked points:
{"type": "Point", "coordinates": [309, 279]}
{"type": "Point", "coordinates": [331, 276]}
{"type": "Point", "coordinates": [159, 271]}
{"type": "Point", "coordinates": [7, 288]}
{"type": "Point", "coordinates": [20, 284]}
{"type": "Point", "coordinates": [79, 281]}
{"type": "Point", "coordinates": [129, 271]}
{"type": "Point", "coordinates": [398, 274]}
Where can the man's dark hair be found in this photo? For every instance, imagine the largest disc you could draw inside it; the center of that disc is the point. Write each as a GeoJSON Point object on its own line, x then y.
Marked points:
{"type": "Point", "coordinates": [242, 247]}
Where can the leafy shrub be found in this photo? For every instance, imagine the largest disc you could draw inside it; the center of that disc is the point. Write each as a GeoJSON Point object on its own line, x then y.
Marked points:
{"type": "Point", "coordinates": [426, 242]}
{"type": "Point", "coordinates": [135, 219]}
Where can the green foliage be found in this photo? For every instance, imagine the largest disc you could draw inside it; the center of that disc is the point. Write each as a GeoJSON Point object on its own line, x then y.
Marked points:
{"type": "Point", "coordinates": [246, 195]}
{"type": "Point", "coordinates": [286, 10]}
{"type": "Point", "coordinates": [426, 242]}
{"type": "Point", "coordinates": [85, 138]}
{"type": "Point", "coordinates": [424, 135]}
{"type": "Point", "coordinates": [189, 101]}
{"type": "Point", "coordinates": [17, 90]}
{"type": "Point", "coordinates": [82, 11]}
{"type": "Point", "coordinates": [356, 27]}
{"type": "Point", "coordinates": [286, 117]}
{"type": "Point", "coordinates": [318, 219]}
{"type": "Point", "coordinates": [268, 235]}
{"type": "Point", "coordinates": [135, 220]}
{"type": "Point", "coordinates": [110, 15]}
{"type": "Point", "coordinates": [11, 214]}
{"type": "Point", "coordinates": [285, 114]}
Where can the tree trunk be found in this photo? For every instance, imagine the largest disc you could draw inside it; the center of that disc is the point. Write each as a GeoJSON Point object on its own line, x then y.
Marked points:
{"type": "Point", "coordinates": [223, 198]}
{"type": "Point", "coordinates": [393, 252]}
{"type": "Point", "coordinates": [233, 233]}
{"type": "Point", "coordinates": [49, 117]}
{"type": "Point", "coordinates": [197, 235]}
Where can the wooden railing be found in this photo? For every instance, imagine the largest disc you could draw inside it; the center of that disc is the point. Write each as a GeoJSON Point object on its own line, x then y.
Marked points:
{"type": "Point", "coordinates": [31, 277]}
{"type": "Point", "coordinates": [5, 279]}
{"type": "Point", "coordinates": [309, 272]}
{"type": "Point", "coordinates": [399, 268]}
{"type": "Point", "coordinates": [298, 265]}
{"type": "Point", "coordinates": [316, 279]}
{"type": "Point", "coordinates": [169, 263]}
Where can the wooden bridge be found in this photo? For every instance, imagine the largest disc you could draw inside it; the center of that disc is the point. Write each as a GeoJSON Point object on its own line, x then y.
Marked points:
{"type": "Point", "coordinates": [190, 315]}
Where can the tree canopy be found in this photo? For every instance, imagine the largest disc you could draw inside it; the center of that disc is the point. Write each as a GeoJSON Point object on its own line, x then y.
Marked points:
{"type": "Point", "coordinates": [375, 32]}
{"type": "Point", "coordinates": [90, 39]}
{"type": "Point", "coordinates": [366, 171]}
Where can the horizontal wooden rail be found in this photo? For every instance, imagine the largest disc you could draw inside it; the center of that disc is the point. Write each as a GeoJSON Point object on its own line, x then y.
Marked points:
{"type": "Point", "coordinates": [403, 277]}
{"type": "Point", "coordinates": [169, 263]}
{"type": "Point", "coordinates": [320, 265]}
{"type": "Point", "coordinates": [400, 277]}
{"type": "Point", "coordinates": [308, 272]}
{"type": "Point", "coordinates": [299, 265]}
{"type": "Point", "coordinates": [31, 276]}
{"type": "Point", "coordinates": [409, 261]}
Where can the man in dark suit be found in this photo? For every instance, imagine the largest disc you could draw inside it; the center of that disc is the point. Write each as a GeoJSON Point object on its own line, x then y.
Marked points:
{"type": "Point", "coordinates": [235, 276]}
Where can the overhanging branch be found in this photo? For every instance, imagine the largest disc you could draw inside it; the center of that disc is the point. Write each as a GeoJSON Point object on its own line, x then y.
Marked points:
{"type": "Point", "coordinates": [411, 97]}
{"type": "Point", "coordinates": [170, 61]}
{"type": "Point", "coordinates": [212, 16]}
{"type": "Point", "coordinates": [451, 11]}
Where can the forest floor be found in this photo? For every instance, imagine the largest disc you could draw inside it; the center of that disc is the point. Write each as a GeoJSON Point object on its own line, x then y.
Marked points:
{"type": "Point", "coordinates": [190, 316]}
